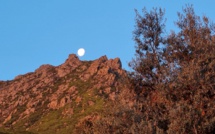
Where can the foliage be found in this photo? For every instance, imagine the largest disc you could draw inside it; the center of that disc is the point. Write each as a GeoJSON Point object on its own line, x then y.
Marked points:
{"type": "Point", "coordinates": [172, 83]}
{"type": "Point", "coordinates": [147, 65]}
{"type": "Point", "coordinates": [182, 73]}
{"type": "Point", "coordinates": [172, 86]}
{"type": "Point", "coordinates": [173, 79]}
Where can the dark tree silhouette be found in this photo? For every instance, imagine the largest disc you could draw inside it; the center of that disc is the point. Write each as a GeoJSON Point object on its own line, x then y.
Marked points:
{"type": "Point", "coordinates": [148, 38]}
{"type": "Point", "coordinates": [173, 78]}
{"type": "Point", "coordinates": [178, 68]}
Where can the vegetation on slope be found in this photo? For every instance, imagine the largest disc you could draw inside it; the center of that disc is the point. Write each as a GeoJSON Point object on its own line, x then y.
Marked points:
{"type": "Point", "coordinates": [65, 101]}
{"type": "Point", "coordinates": [173, 79]}
{"type": "Point", "coordinates": [170, 90]}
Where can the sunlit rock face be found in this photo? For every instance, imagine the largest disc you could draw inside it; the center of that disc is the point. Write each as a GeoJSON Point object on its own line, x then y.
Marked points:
{"type": "Point", "coordinates": [70, 88]}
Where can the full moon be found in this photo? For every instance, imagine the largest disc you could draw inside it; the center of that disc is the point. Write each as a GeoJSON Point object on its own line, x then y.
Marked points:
{"type": "Point", "coordinates": [81, 52]}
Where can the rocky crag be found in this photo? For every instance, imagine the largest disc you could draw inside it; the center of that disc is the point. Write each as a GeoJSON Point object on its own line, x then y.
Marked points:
{"type": "Point", "coordinates": [55, 99]}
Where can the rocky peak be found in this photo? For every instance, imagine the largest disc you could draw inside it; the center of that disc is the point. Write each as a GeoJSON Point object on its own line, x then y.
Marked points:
{"type": "Point", "coordinates": [115, 63]}
{"type": "Point", "coordinates": [101, 59]}
{"type": "Point", "coordinates": [103, 67]}
{"type": "Point", "coordinates": [96, 65]}
{"type": "Point", "coordinates": [70, 64]}
{"type": "Point", "coordinates": [72, 60]}
{"type": "Point", "coordinates": [52, 87]}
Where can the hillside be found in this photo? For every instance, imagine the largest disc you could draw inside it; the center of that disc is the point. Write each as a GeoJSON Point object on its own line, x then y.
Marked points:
{"type": "Point", "coordinates": [85, 97]}
{"type": "Point", "coordinates": [170, 88]}
{"type": "Point", "coordinates": [56, 99]}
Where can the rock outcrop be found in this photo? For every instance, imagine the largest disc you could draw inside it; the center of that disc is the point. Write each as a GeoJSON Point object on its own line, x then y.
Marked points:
{"type": "Point", "coordinates": [72, 87]}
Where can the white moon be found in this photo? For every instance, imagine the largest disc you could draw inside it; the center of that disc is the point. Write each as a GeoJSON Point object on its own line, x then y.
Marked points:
{"type": "Point", "coordinates": [81, 52]}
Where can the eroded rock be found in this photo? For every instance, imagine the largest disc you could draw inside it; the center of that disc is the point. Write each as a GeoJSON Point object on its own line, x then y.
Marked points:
{"type": "Point", "coordinates": [53, 87]}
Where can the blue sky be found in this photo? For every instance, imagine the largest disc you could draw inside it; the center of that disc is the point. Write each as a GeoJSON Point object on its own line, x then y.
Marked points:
{"type": "Point", "coordinates": [36, 32]}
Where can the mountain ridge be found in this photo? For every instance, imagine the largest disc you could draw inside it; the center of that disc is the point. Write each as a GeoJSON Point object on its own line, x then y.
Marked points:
{"type": "Point", "coordinates": [74, 88]}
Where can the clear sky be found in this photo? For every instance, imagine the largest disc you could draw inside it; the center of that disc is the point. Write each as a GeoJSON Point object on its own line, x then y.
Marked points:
{"type": "Point", "coordinates": [36, 32]}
